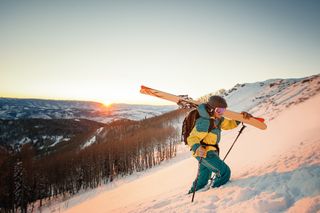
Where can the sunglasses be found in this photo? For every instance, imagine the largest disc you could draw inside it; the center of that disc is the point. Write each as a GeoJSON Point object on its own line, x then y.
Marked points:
{"type": "Point", "coordinates": [218, 110]}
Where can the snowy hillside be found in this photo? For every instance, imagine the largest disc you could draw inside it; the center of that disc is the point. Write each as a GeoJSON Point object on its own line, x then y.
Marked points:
{"type": "Point", "coordinates": [11, 108]}
{"type": "Point", "coordinates": [265, 98]}
{"type": "Point", "coordinates": [275, 170]}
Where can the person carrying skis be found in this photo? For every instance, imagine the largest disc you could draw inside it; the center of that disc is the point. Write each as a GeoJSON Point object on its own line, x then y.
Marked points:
{"type": "Point", "coordinates": [204, 139]}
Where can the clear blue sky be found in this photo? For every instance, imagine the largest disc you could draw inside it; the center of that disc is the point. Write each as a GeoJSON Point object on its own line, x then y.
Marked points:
{"type": "Point", "coordinates": [104, 50]}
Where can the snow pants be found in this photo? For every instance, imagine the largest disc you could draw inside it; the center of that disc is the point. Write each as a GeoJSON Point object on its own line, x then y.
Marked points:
{"type": "Point", "coordinates": [212, 163]}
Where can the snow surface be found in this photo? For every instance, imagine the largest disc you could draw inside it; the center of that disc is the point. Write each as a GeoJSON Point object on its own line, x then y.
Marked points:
{"type": "Point", "coordinates": [57, 139]}
{"type": "Point", "coordinates": [93, 139]}
{"type": "Point", "coordinates": [276, 170]}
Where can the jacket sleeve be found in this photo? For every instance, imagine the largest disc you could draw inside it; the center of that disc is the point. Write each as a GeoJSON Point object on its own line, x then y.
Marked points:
{"type": "Point", "coordinates": [227, 124]}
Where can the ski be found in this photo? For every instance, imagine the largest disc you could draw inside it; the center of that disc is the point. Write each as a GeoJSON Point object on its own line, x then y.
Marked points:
{"type": "Point", "coordinates": [187, 102]}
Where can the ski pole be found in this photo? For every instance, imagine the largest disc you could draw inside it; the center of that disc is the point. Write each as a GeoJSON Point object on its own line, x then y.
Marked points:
{"type": "Point", "coordinates": [196, 181]}
{"type": "Point", "coordinates": [242, 128]}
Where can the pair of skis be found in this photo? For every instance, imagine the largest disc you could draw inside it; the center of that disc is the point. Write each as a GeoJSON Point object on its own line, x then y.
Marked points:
{"type": "Point", "coordinates": [185, 101]}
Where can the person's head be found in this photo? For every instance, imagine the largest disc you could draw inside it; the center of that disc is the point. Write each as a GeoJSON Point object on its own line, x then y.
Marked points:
{"type": "Point", "coordinates": [214, 104]}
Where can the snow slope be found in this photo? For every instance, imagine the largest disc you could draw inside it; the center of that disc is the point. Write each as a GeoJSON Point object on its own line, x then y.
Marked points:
{"type": "Point", "coordinates": [270, 97]}
{"type": "Point", "coordinates": [275, 170]}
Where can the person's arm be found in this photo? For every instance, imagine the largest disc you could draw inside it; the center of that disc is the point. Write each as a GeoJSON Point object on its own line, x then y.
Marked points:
{"type": "Point", "coordinates": [227, 124]}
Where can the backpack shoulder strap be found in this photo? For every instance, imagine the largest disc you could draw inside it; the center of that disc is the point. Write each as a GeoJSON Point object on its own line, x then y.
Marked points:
{"type": "Point", "coordinates": [211, 125]}
{"type": "Point", "coordinates": [220, 122]}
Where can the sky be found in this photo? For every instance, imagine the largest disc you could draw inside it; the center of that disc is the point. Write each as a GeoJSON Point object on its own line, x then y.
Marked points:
{"type": "Point", "coordinates": [105, 50]}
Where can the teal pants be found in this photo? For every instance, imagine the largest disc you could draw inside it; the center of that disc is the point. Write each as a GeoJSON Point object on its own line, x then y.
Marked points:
{"type": "Point", "coordinates": [212, 163]}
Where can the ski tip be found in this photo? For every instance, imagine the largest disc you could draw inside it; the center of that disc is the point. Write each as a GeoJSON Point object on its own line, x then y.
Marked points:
{"type": "Point", "coordinates": [144, 87]}
{"type": "Point", "coordinates": [262, 125]}
{"type": "Point", "coordinates": [260, 119]}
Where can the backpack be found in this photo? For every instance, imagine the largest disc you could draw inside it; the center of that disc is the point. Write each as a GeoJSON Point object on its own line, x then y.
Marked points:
{"type": "Point", "coordinates": [188, 124]}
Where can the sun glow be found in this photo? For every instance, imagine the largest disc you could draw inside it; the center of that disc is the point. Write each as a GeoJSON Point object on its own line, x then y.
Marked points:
{"type": "Point", "coordinates": [106, 103]}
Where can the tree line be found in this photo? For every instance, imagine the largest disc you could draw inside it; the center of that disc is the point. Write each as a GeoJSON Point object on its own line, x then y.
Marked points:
{"type": "Point", "coordinates": [28, 180]}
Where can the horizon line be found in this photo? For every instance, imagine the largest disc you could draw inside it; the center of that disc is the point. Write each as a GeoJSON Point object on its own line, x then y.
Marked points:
{"type": "Point", "coordinates": [160, 103]}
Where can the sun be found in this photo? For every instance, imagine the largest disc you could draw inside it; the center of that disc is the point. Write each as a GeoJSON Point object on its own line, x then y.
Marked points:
{"type": "Point", "coordinates": [106, 103]}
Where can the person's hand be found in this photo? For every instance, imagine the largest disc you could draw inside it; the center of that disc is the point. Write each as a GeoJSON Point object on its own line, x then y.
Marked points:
{"type": "Point", "coordinates": [246, 115]}
{"type": "Point", "coordinates": [201, 152]}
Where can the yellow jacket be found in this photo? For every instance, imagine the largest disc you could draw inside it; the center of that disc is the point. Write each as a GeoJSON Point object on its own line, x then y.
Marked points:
{"type": "Point", "coordinates": [200, 130]}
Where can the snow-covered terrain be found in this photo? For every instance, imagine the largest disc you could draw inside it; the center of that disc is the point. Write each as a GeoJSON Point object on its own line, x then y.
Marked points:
{"type": "Point", "coordinates": [276, 170]}
{"type": "Point", "coordinates": [11, 108]}
{"type": "Point", "coordinates": [270, 96]}
{"type": "Point", "coordinates": [93, 139]}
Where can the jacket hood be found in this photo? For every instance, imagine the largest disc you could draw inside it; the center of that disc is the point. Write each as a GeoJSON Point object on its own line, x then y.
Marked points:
{"type": "Point", "coordinates": [203, 112]}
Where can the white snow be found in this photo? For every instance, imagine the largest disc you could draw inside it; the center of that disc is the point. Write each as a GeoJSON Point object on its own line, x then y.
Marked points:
{"type": "Point", "coordinates": [57, 139]}
{"type": "Point", "coordinates": [24, 140]}
{"type": "Point", "coordinates": [93, 139]}
{"type": "Point", "coordinates": [276, 170]}
{"type": "Point", "coordinates": [274, 92]}
{"type": "Point", "coordinates": [99, 130]}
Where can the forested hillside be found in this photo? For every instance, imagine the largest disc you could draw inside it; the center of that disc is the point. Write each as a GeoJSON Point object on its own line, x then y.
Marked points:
{"type": "Point", "coordinates": [121, 148]}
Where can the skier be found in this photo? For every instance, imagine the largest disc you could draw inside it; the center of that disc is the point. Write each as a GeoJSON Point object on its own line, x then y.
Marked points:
{"type": "Point", "coordinates": [204, 139]}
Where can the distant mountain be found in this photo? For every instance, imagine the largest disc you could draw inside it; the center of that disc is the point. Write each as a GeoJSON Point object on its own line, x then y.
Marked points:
{"type": "Point", "coordinates": [11, 108]}
{"type": "Point", "coordinates": [51, 125]}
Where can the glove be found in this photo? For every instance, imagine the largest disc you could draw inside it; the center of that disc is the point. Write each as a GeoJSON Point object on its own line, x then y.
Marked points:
{"type": "Point", "coordinates": [246, 115]}
{"type": "Point", "coordinates": [201, 152]}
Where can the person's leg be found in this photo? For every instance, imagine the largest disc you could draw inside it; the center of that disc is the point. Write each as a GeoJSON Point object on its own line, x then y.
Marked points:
{"type": "Point", "coordinates": [215, 164]}
{"type": "Point", "coordinates": [223, 178]}
{"type": "Point", "coordinates": [203, 178]}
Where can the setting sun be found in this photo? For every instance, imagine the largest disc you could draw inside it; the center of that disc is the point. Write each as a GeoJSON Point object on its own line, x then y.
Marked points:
{"type": "Point", "coordinates": [106, 103]}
